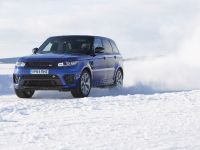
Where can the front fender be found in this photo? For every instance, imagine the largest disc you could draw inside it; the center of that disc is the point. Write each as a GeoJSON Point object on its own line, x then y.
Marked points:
{"type": "Point", "coordinates": [87, 66]}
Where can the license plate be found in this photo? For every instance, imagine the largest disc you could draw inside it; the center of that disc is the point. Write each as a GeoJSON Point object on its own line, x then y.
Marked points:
{"type": "Point", "coordinates": [39, 71]}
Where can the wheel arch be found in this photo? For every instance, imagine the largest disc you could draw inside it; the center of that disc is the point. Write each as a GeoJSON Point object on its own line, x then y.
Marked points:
{"type": "Point", "coordinates": [89, 70]}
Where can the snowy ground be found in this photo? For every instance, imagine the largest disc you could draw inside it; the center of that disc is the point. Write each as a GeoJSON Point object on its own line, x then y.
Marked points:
{"type": "Point", "coordinates": [133, 118]}
{"type": "Point", "coordinates": [159, 121]}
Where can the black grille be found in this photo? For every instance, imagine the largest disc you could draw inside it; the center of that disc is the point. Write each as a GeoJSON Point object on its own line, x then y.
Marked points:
{"type": "Point", "coordinates": [40, 81]}
{"type": "Point", "coordinates": [41, 64]}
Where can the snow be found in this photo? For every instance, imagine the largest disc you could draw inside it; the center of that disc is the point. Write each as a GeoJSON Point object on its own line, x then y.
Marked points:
{"type": "Point", "coordinates": [136, 117]}
{"type": "Point", "coordinates": [158, 121]}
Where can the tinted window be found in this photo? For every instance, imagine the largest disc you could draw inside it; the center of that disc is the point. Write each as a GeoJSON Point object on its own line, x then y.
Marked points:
{"type": "Point", "coordinates": [68, 44]}
{"type": "Point", "coordinates": [107, 46]}
{"type": "Point", "coordinates": [97, 43]}
{"type": "Point", "coordinates": [115, 49]}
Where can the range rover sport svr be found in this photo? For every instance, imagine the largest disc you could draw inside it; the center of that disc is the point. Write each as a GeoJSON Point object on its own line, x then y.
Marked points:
{"type": "Point", "coordinates": [69, 63]}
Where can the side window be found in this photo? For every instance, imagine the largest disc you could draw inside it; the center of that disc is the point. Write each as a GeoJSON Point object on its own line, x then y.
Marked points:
{"type": "Point", "coordinates": [48, 47]}
{"type": "Point", "coordinates": [107, 46]}
{"type": "Point", "coordinates": [97, 43]}
{"type": "Point", "coordinates": [115, 49]}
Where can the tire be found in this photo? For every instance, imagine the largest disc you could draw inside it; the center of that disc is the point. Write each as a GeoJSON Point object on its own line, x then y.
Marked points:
{"type": "Point", "coordinates": [24, 93]}
{"type": "Point", "coordinates": [84, 86]}
{"type": "Point", "coordinates": [118, 79]}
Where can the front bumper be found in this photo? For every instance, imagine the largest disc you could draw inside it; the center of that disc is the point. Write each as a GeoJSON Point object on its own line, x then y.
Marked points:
{"type": "Point", "coordinates": [62, 79]}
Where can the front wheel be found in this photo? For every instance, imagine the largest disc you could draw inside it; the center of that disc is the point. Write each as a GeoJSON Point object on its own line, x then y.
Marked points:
{"type": "Point", "coordinates": [84, 86]}
{"type": "Point", "coordinates": [24, 93]}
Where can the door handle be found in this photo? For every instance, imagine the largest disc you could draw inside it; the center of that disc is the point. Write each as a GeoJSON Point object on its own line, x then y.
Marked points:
{"type": "Point", "coordinates": [104, 58]}
{"type": "Point", "coordinates": [115, 57]}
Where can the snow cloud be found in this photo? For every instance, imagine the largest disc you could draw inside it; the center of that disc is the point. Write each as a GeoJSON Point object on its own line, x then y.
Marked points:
{"type": "Point", "coordinates": [176, 71]}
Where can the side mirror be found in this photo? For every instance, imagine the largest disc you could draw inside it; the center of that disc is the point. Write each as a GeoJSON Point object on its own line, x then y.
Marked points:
{"type": "Point", "coordinates": [35, 50]}
{"type": "Point", "coordinates": [99, 50]}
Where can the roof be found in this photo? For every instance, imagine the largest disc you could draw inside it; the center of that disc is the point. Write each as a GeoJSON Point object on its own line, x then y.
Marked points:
{"type": "Point", "coordinates": [81, 36]}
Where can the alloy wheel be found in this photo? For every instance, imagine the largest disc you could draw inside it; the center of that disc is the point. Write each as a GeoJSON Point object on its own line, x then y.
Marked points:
{"type": "Point", "coordinates": [85, 83]}
{"type": "Point", "coordinates": [119, 79]}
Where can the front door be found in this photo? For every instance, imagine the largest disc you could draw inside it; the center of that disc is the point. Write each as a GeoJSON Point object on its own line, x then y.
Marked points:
{"type": "Point", "coordinates": [99, 65]}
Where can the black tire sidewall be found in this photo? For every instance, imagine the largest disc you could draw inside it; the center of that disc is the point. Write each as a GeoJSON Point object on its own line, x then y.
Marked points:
{"type": "Point", "coordinates": [23, 93]}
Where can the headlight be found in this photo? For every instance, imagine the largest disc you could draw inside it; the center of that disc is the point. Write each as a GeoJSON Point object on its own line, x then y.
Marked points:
{"type": "Point", "coordinates": [67, 63]}
{"type": "Point", "coordinates": [20, 64]}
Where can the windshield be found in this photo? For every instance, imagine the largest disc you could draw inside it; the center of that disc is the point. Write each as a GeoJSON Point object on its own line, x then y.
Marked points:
{"type": "Point", "coordinates": [68, 44]}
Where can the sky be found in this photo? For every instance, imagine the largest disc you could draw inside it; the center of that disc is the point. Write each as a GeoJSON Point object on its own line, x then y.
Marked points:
{"type": "Point", "coordinates": [167, 29]}
{"type": "Point", "coordinates": [139, 27]}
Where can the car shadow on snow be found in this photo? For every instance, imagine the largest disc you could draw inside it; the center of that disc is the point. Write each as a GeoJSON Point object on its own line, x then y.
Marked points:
{"type": "Point", "coordinates": [131, 90]}
{"type": "Point", "coordinates": [103, 92]}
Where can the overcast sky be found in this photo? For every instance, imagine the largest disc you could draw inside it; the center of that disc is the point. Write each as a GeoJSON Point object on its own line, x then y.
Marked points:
{"type": "Point", "coordinates": [139, 27]}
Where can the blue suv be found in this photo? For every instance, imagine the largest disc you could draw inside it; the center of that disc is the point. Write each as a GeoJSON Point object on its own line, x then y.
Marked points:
{"type": "Point", "coordinates": [69, 63]}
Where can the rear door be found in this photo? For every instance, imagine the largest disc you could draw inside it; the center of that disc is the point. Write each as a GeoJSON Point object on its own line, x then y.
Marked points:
{"type": "Point", "coordinates": [110, 59]}
{"type": "Point", "coordinates": [116, 55]}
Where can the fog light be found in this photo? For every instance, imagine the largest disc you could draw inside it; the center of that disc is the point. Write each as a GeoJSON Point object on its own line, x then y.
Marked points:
{"type": "Point", "coordinates": [69, 79]}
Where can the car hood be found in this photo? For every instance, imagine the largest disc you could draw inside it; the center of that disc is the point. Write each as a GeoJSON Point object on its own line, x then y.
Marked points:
{"type": "Point", "coordinates": [50, 57]}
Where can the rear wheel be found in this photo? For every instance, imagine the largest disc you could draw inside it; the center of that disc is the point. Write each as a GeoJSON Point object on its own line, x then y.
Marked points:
{"type": "Point", "coordinates": [119, 79]}
{"type": "Point", "coordinates": [84, 86]}
{"type": "Point", "coordinates": [24, 93]}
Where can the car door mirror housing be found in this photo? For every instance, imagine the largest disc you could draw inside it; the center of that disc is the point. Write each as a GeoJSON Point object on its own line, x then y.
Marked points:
{"type": "Point", "coordinates": [35, 50]}
{"type": "Point", "coordinates": [99, 50]}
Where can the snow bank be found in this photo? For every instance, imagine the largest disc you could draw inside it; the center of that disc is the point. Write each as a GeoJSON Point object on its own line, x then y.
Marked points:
{"type": "Point", "coordinates": [6, 69]}
{"type": "Point", "coordinates": [6, 84]}
{"type": "Point", "coordinates": [8, 60]}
